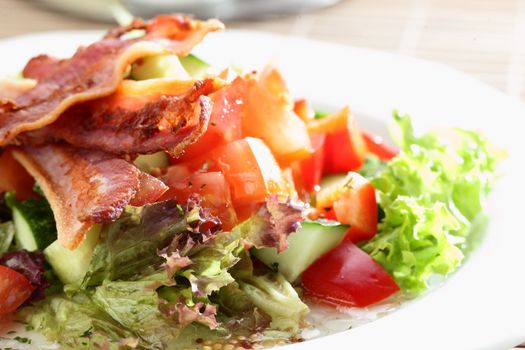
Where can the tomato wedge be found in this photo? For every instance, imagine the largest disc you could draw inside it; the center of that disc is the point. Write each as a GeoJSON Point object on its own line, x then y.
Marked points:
{"type": "Point", "coordinates": [15, 289]}
{"type": "Point", "coordinates": [377, 146]}
{"type": "Point", "coordinates": [348, 276]}
{"type": "Point", "coordinates": [225, 121]}
{"type": "Point", "coordinates": [344, 147]}
{"type": "Point", "coordinates": [353, 202]}
{"type": "Point", "coordinates": [211, 186]}
{"type": "Point", "coordinates": [311, 169]}
{"type": "Point", "coordinates": [269, 116]}
{"type": "Point", "coordinates": [303, 110]}
{"type": "Point", "coordinates": [249, 168]}
{"type": "Point", "coordinates": [13, 177]}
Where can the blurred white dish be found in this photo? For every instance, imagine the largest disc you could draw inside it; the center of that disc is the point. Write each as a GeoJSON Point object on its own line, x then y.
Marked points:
{"type": "Point", "coordinates": [226, 10]}
{"type": "Point", "coordinates": [481, 306]}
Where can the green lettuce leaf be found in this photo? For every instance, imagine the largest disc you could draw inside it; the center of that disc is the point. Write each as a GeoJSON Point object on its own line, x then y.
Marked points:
{"type": "Point", "coordinates": [371, 167]}
{"type": "Point", "coordinates": [430, 193]}
{"type": "Point", "coordinates": [273, 294]}
{"type": "Point", "coordinates": [156, 271]}
{"type": "Point", "coordinates": [129, 246]}
{"type": "Point", "coordinates": [413, 242]}
{"type": "Point", "coordinates": [76, 322]}
{"type": "Point", "coordinates": [135, 306]}
{"type": "Point", "coordinates": [208, 271]}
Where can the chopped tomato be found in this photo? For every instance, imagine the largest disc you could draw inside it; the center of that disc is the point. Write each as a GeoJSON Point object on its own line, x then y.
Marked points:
{"type": "Point", "coordinates": [311, 169]}
{"type": "Point", "coordinates": [211, 186]}
{"type": "Point", "coordinates": [331, 123]}
{"type": "Point", "coordinates": [353, 202]}
{"type": "Point", "coordinates": [348, 276]}
{"type": "Point", "coordinates": [225, 121]}
{"type": "Point", "coordinates": [249, 168]}
{"type": "Point", "coordinates": [344, 147]}
{"type": "Point", "coordinates": [377, 146]}
{"type": "Point", "coordinates": [269, 116]}
{"type": "Point", "coordinates": [14, 177]}
{"type": "Point", "coordinates": [303, 110]}
{"type": "Point", "coordinates": [15, 288]}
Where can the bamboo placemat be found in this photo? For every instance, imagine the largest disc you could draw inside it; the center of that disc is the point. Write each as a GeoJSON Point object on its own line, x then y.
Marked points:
{"type": "Point", "coordinates": [483, 38]}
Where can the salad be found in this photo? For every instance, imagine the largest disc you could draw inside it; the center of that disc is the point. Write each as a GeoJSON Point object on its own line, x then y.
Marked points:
{"type": "Point", "coordinates": [151, 201]}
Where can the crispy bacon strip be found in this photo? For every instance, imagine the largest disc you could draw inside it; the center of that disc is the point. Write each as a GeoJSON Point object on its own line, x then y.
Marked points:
{"type": "Point", "coordinates": [139, 118]}
{"type": "Point", "coordinates": [43, 66]}
{"type": "Point", "coordinates": [11, 89]}
{"type": "Point", "coordinates": [150, 189]}
{"type": "Point", "coordinates": [95, 71]}
{"type": "Point", "coordinates": [85, 187]}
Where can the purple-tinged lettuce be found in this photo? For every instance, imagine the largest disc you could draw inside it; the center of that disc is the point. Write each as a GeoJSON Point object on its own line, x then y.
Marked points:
{"type": "Point", "coordinates": [31, 265]}
{"type": "Point", "coordinates": [272, 224]}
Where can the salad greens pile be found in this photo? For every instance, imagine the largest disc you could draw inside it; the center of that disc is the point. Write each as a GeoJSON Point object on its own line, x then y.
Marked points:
{"type": "Point", "coordinates": [164, 266]}
{"type": "Point", "coordinates": [165, 274]}
{"type": "Point", "coordinates": [430, 194]}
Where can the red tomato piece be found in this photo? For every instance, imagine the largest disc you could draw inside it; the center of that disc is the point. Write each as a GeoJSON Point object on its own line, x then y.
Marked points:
{"type": "Point", "coordinates": [15, 289]}
{"type": "Point", "coordinates": [249, 168]}
{"type": "Point", "coordinates": [311, 169]}
{"type": "Point", "coordinates": [344, 150]}
{"type": "Point", "coordinates": [348, 276]}
{"type": "Point", "coordinates": [269, 116]}
{"type": "Point", "coordinates": [344, 147]}
{"type": "Point", "coordinates": [303, 110]}
{"type": "Point", "coordinates": [14, 177]}
{"type": "Point", "coordinates": [211, 186]}
{"type": "Point", "coordinates": [376, 145]}
{"type": "Point", "coordinates": [225, 121]}
{"type": "Point", "coordinates": [353, 202]}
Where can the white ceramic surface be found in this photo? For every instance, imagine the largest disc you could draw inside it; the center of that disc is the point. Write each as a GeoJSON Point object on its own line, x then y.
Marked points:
{"type": "Point", "coordinates": [482, 306]}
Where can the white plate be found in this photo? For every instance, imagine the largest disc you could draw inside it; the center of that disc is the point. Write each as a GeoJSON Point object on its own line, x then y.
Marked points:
{"type": "Point", "coordinates": [482, 306]}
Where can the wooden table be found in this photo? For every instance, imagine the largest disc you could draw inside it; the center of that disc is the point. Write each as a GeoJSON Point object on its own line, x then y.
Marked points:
{"type": "Point", "coordinates": [483, 38]}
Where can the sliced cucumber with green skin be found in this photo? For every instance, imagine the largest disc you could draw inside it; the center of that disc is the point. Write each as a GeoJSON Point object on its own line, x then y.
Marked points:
{"type": "Point", "coordinates": [195, 67]}
{"type": "Point", "coordinates": [71, 266]}
{"type": "Point", "coordinates": [7, 233]}
{"type": "Point", "coordinates": [148, 162]}
{"type": "Point", "coordinates": [305, 246]}
{"type": "Point", "coordinates": [35, 226]}
{"type": "Point", "coordinates": [162, 66]}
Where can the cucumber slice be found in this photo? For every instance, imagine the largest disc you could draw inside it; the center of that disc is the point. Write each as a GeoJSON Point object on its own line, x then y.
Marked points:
{"type": "Point", "coordinates": [7, 233]}
{"type": "Point", "coordinates": [35, 226]}
{"type": "Point", "coordinates": [148, 162]}
{"type": "Point", "coordinates": [195, 67]}
{"type": "Point", "coordinates": [305, 246]}
{"type": "Point", "coordinates": [71, 265]}
{"type": "Point", "coordinates": [162, 66]}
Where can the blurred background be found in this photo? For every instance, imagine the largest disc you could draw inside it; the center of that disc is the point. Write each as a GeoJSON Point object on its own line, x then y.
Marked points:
{"type": "Point", "coordinates": [483, 38]}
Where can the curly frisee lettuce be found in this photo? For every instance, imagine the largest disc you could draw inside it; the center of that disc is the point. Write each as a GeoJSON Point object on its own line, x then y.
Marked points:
{"type": "Point", "coordinates": [430, 193]}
